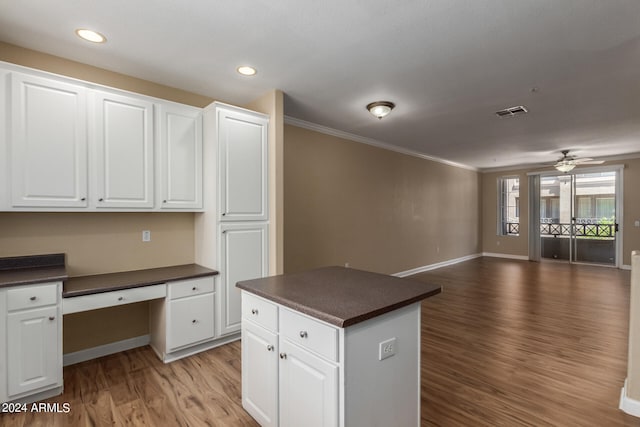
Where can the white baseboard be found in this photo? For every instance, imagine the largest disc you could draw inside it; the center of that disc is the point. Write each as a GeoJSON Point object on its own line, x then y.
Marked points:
{"type": "Point", "coordinates": [508, 256]}
{"type": "Point", "coordinates": [104, 350]}
{"type": "Point", "coordinates": [436, 265]}
{"type": "Point", "coordinates": [628, 405]}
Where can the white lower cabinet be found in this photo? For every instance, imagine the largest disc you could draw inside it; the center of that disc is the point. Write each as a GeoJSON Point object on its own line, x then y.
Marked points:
{"type": "Point", "coordinates": [260, 373]}
{"type": "Point", "coordinates": [183, 323]}
{"type": "Point", "coordinates": [308, 388]}
{"type": "Point", "coordinates": [321, 375]}
{"type": "Point", "coordinates": [286, 383]}
{"type": "Point", "coordinates": [33, 341]}
{"type": "Point", "coordinates": [243, 256]}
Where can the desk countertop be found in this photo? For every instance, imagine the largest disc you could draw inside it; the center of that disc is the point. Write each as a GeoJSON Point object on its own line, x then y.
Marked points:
{"type": "Point", "coordinates": [340, 296]}
{"type": "Point", "coordinates": [86, 285]}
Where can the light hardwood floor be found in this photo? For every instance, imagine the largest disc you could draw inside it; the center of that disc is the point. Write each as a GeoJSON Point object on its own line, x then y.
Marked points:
{"type": "Point", "coordinates": [508, 343]}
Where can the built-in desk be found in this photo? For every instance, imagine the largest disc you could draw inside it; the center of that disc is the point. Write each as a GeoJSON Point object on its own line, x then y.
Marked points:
{"type": "Point", "coordinates": [112, 289]}
{"type": "Point", "coordinates": [35, 293]}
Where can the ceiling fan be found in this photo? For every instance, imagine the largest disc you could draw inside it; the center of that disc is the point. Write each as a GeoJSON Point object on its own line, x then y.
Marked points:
{"type": "Point", "coordinates": [566, 163]}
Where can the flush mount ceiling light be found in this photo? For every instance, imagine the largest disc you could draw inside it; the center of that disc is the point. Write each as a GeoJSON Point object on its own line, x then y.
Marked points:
{"type": "Point", "coordinates": [380, 109]}
{"type": "Point", "coordinates": [245, 70]}
{"type": "Point", "coordinates": [90, 35]}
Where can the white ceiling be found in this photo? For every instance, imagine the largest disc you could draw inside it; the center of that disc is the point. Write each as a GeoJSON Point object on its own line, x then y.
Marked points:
{"type": "Point", "coordinates": [447, 64]}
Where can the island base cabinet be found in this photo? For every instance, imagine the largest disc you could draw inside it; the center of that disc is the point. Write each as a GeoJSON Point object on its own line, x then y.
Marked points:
{"type": "Point", "coordinates": [260, 374]}
{"type": "Point", "coordinates": [308, 388]}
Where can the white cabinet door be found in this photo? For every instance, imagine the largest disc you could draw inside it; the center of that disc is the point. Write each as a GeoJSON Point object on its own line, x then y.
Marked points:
{"type": "Point", "coordinates": [243, 256]}
{"type": "Point", "coordinates": [308, 388]}
{"type": "Point", "coordinates": [48, 143]}
{"type": "Point", "coordinates": [34, 352]}
{"type": "Point", "coordinates": [242, 142]}
{"type": "Point", "coordinates": [190, 320]}
{"type": "Point", "coordinates": [123, 139]}
{"type": "Point", "coordinates": [180, 174]}
{"type": "Point", "coordinates": [260, 374]}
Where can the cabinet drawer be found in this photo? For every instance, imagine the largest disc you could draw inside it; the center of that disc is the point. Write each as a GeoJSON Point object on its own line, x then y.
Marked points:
{"type": "Point", "coordinates": [32, 296]}
{"type": "Point", "coordinates": [260, 311]}
{"type": "Point", "coordinates": [190, 320]}
{"type": "Point", "coordinates": [309, 333]}
{"type": "Point", "coordinates": [112, 298]}
{"type": "Point", "coordinates": [191, 287]}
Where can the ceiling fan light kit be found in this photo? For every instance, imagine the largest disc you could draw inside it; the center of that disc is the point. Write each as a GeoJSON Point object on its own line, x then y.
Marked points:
{"type": "Point", "coordinates": [567, 163]}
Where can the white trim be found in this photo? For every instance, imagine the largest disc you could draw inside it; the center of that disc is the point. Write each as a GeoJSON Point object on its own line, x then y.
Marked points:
{"type": "Point", "coordinates": [625, 267]}
{"type": "Point", "coordinates": [508, 256]}
{"type": "Point", "coordinates": [628, 405]}
{"type": "Point", "coordinates": [370, 141]}
{"type": "Point", "coordinates": [105, 350]}
{"type": "Point", "coordinates": [436, 265]}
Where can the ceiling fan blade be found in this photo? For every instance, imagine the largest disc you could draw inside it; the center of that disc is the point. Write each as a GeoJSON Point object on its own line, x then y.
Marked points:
{"type": "Point", "coordinates": [589, 162]}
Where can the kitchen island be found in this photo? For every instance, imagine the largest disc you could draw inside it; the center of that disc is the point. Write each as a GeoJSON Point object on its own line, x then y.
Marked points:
{"type": "Point", "coordinates": [332, 347]}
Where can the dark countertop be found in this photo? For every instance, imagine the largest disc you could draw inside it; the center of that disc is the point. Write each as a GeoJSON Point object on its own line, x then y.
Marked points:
{"type": "Point", "coordinates": [338, 295]}
{"type": "Point", "coordinates": [32, 269]}
{"type": "Point", "coordinates": [86, 285]}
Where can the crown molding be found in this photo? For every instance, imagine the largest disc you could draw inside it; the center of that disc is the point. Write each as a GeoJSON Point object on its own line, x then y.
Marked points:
{"type": "Point", "coordinates": [369, 141]}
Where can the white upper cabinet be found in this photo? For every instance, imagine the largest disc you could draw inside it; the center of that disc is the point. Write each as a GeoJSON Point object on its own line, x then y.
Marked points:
{"type": "Point", "coordinates": [242, 139]}
{"type": "Point", "coordinates": [48, 143]}
{"type": "Point", "coordinates": [73, 146]}
{"type": "Point", "coordinates": [180, 157]}
{"type": "Point", "coordinates": [122, 135]}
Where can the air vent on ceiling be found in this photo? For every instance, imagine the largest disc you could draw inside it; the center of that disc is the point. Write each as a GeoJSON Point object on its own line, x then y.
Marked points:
{"type": "Point", "coordinates": [512, 111]}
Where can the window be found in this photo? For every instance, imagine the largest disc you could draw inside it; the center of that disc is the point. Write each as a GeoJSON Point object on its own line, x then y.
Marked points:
{"type": "Point", "coordinates": [508, 206]}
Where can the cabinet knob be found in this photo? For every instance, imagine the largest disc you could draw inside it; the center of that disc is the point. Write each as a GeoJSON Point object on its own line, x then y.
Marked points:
{"type": "Point", "coordinates": [82, 199]}
{"type": "Point", "coordinates": [269, 347]}
{"type": "Point", "coordinates": [52, 317]}
{"type": "Point", "coordinates": [33, 298]}
{"type": "Point", "coordinates": [101, 199]}
{"type": "Point", "coordinates": [164, 201]}
{"type": "Point", "coordinates": [254, 311]}
{"type": "Point", "coordinates": [303, 334]}
{"type": "Point", "coordinates": [224, 213]}
{"type": "Point", "coordinates": [195, 288]}
{"type": "Point", "coordinates": [283, 356]}
{"type": "Point", "coordinates": [120, 298]}
{"type": "Point", "coordinates": [194, 321]}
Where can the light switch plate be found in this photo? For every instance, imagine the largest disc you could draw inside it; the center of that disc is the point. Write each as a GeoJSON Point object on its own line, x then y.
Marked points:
{"type": "Point", "coordinates": [387, 348]}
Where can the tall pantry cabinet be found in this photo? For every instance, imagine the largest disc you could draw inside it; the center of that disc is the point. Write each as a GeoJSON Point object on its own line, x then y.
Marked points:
{"type": "Point", "coordinates": [232, 232]}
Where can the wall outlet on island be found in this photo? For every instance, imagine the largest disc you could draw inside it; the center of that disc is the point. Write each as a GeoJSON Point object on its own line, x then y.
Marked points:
{"type": "Point", "coordinates": [146, 235]}
{"type": "Point", "coordinates": [387, 348]}
{"type": "Point", "coordinates": [347, 265]}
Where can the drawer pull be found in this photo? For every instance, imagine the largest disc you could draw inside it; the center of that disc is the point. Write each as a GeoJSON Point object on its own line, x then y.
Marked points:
{"type": "Point", "coordinates": [120, 298]}
{"type": "Point", "coordinates": [283, 356]}
{"type": "Point", "coordinates": [254, 311]}
{"type": "Point", "coordinates": [33, 298]}
{"type": "Point", "coordinates": [52, 317]}
{"type": "Point", "coordinates": [269, 347]}
{"type": "Point", "coordinates": [303, 334]}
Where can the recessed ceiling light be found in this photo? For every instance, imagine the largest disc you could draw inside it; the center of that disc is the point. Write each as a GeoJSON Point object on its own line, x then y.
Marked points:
{"type": "Point", "coordinates": [245, 70]}
{"type": "Point", "coordinates": [90, 35]}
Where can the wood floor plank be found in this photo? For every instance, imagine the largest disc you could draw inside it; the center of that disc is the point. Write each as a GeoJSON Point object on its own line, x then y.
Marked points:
{"type": "Point", "coordinates": [507, 343]}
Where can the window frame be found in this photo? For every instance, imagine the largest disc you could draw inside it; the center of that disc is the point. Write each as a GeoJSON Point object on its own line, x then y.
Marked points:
{"type": "Point", "coordinates": [502, 205]}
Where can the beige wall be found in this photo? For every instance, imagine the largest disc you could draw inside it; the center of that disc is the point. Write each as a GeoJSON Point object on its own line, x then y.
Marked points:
{"type": "Point", "coordinates": [519, 245]}
{"type": "Point", "coordinates": [376, 209]}
{"type": "Point", "coordinates": [100, 242]}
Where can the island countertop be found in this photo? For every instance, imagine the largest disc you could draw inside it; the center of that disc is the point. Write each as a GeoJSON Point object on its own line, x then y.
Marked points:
{"type": "Point", "coordinates": [338, 295]}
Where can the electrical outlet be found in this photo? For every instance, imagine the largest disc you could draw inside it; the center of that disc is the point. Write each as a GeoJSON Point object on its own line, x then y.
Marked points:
{"type": "Point", "coordinates": [346, 264]}
{"type": "Point", "coordinates": [146, 235]}
{"type": "Point", "coordinates": [637, 223]}
{"type": "Point", "coordinates": [387, 348]}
